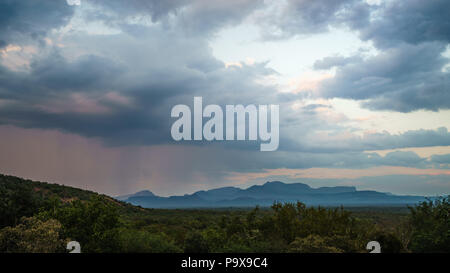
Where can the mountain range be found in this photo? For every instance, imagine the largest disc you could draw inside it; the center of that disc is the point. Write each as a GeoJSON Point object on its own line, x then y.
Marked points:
{"type": "Point", "coordinates": [268, 193]}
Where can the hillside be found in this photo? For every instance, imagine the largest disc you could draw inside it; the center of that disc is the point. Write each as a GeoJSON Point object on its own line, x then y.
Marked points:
{"type": "Point", "coordinates": [22, 197]}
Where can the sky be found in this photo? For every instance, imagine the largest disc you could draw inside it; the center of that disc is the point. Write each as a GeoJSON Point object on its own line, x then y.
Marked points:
{"type": "Point", "coordinates": [87, 87]}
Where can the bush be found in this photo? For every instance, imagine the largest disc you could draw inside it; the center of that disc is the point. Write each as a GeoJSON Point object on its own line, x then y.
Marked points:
{"type": "Point", "coordinates": [94, 224]}
{"type": "Point", "coordinates": [137, 241]}
{"type": "Point", "coordinates": [32, 236]}
{"type": "Point", "coordinates": [389, 243]}
{"type": "Point", "coordinates": [195, 243]}
{"type": "Point", "coordinates": [313, 244]}
{"type": "Point", "coordinates": [431, 226]}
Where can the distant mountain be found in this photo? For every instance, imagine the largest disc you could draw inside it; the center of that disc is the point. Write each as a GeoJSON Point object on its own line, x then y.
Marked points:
{"type": "Point", "coordinates": [140, 193]}
{"type": "Point", "coordinates": [270, 192]}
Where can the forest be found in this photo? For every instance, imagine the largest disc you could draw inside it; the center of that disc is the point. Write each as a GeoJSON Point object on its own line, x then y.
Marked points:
{"type": "Point", "coordinates": [39, 217]}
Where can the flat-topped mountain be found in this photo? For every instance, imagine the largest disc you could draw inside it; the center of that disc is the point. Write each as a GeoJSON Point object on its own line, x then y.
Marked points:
{"type": "Point", "coordinates": [270, 192]}
{"type": "Point", "coordinates": [139, 193]}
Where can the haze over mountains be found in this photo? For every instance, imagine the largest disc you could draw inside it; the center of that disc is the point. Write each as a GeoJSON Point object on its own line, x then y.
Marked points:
{"type": "Point", "coordinates": [267, 194]}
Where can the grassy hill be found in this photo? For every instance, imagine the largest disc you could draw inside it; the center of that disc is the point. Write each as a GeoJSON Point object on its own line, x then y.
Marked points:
{"type": "Point", "coordinates": [10, 184]}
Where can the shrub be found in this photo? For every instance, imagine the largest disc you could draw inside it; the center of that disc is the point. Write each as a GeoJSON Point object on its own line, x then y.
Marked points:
{"type": "Point", "coordinates": [32, 236]}
{"type": "Point", "coordinates": [431, 226]}
{"type": "Point", "coordinates": [313, 244]}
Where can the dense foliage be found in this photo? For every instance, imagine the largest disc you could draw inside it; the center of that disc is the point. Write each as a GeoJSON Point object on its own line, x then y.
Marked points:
{"type": "Point", "coordinates": [42, 217]}
{"type": "Point", "coordinates": [431, 226]}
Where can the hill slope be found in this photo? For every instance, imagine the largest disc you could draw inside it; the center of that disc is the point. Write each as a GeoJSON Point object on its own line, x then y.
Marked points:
{"type": "Point", "coordinates": [21, 197]}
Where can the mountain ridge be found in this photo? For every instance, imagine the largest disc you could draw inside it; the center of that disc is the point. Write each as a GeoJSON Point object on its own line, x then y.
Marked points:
{"type": "Point", "coordinates": [139, 193]}
{"type": "Point", "coordinates": [274, 191]}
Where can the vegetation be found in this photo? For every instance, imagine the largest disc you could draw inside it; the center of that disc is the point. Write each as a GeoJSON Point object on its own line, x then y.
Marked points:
{"type": "Point", "coordinates": [42, 217]}
{"type": "Point", "coordinates": [431, 226]}
{"type": "Point", "coordinates": [32, 235]}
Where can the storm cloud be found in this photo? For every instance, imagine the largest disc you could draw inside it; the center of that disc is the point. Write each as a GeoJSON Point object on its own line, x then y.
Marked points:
{"type": "Point", "coordinates": [404, 78]}
{"type": "Point", "coordinates": [21, 20]}
{"type": "Point", "coordinates": [409, 71]}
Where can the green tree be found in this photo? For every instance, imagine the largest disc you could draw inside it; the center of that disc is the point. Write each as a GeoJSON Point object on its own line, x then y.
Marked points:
{"type": "Point", "coordinates": [32, 236]}
{"type": "Point", "coordinates": [286, 221]}
{"type": "Point", "coordinates": [195, 243]}
{"type": "Point", "coordinates": [431, 226]}
{"type": "Point", "coordinates": [215, 239]}
{"type": "Point", "coordinates": [236, 226]}
{"type": "Point", "coordinates": [138, 241]}
{"type": "Point", "coordinates": [313, 244]}
{"type": "Point", "coordinates": [15, 204]}
{"type": "Point", "coordinates": [94, 224]}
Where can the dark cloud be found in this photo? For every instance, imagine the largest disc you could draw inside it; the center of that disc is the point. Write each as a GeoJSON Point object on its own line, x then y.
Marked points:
{"type": "Point", "coordinates": [407, 159]}
{"type": "Point", "coordinates": [124, 92]}
{"type": "Point", "coordinates": [413, 21]}
{"type": "Point", "coordinates": [113, 10]}
{"type": "Point", "coordinates": [53, 76]}
{"type": "Point", "coordinates": [193, 17]}
{"type": "Point", "coordinates": [31, 19]}
{"type": "Point", "coordinates": [311, 139]}
{"type": "Point", "coordinates": [86, 73]}
{"type": "Point", "coordinates": [407, 73]}
{"type": "Point", "coordinates": [300, 17]}
{"type": "Point", "coordinates": [404, 78]}
{"type": "Point", "coordinates": [412, 138]}
{"type": "Point", "coordinates": [441, 159]}
{"type": "Point", "coordinates": [205, 16]}
{"type": "Point", "coordinates": [387, 24]}
{"type": "Point", "coordinates": [336, 61]}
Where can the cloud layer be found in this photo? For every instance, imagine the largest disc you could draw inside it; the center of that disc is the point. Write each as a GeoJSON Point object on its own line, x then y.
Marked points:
{"type": "Point", "coordinates": [108, 73]}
